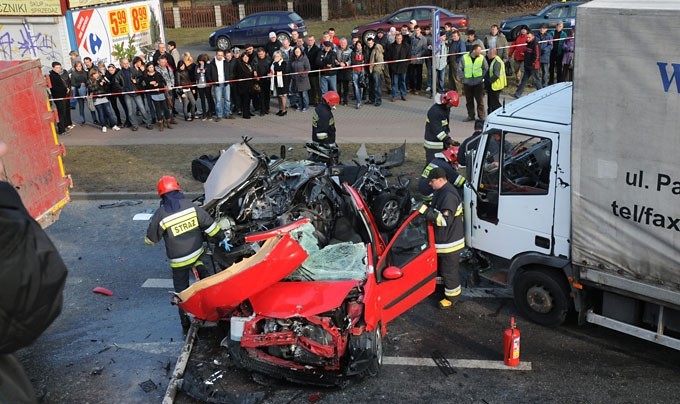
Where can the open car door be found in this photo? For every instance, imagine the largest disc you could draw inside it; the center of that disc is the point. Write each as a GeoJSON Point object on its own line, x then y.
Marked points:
{"type": "Point", "coordinates": [407, 271]}
{"type": "Point", "coordinates": [216, 296]}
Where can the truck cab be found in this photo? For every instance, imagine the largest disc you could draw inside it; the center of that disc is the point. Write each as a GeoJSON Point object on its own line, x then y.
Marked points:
{"type": "Point", "coordinates": [517, 202]}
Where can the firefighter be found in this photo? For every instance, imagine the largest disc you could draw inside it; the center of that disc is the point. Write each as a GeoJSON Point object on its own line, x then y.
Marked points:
{"type": "Point", "coordinates": [323, 123]}
{"type": "Point", "coordinates": [448, 161]}
{"type": "Point", "coordinates": [181, 225]}
{"type": "Point", "coordinates": [437, 127]}
{"type": "Point", "coordinates": [446, 213]}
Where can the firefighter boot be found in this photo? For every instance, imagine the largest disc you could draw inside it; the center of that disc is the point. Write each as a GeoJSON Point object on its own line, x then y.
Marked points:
{"type": "Point", "coordinates": [160, 125]}
{"type": "Point", "coordinates": [446, 303]}
{"type": "Point", "coordinates": [167, 123]}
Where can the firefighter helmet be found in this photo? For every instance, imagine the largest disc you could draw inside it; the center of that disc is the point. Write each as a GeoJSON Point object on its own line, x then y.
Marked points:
{"type": "Point", "coordinates": [451, 155]}
{"type": "Point", "coordinates": [166, 184]}
{"type": "Point", "coordinates": [331, 98]}
{"type": "Point", "coordinates": [450, 98]}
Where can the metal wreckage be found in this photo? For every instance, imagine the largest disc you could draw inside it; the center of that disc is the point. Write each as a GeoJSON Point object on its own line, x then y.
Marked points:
{"type": "Point", "coordinates": [312, 279]}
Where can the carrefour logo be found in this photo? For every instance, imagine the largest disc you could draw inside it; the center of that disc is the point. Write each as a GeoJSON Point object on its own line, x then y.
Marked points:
{"type": "Point", "coordinates": [667, 79]}
{"type": "Point", "coordinates": [95, 43]}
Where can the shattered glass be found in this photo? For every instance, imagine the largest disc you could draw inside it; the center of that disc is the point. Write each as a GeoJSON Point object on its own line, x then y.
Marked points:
{"type": "Point", "coordinates": [342, 261]}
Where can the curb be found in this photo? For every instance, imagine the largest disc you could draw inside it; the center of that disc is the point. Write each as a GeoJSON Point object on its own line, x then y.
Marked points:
{"type": "Point", "coordinates": [98, 196]}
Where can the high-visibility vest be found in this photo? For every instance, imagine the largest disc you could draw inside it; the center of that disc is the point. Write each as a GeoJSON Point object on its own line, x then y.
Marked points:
{"type": "Point", "coordinates": [502, 81]}
{"type": "Point", "coordinates": [472, 69]}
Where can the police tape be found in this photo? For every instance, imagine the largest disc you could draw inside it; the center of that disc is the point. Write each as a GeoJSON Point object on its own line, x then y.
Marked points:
{"type": "Point", "coordinates": [269, 76]}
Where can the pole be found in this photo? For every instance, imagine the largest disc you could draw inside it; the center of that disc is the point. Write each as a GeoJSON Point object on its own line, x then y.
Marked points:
{"type": "Point", "coordinates": [435, 49]}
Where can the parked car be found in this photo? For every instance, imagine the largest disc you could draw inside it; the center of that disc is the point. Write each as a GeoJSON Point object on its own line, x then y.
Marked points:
{"type": "Point", "coordinates": [255, 29]}
{"type": "Point", "coordinates": [422, 15]}
{"type": "Point", "coordinates": [564, 12]}
{"type": "Point", "coordinates": [314, 312]}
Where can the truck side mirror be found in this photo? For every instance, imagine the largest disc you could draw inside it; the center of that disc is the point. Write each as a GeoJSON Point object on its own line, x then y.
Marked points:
{"type": "Point", "coordinates": [469, 161]}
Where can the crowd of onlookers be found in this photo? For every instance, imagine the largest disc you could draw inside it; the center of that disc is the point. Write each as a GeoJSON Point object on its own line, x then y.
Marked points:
{"type": "Point", "coordinates": [153, 91]}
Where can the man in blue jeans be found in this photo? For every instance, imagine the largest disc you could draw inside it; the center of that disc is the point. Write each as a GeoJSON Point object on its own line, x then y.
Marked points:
{"type": "Point", "coordinates": [132, 81]}
{"type": "Point", "coordinates": [219, 72]}
{"type": "Point", "coordinates": [376, 62]}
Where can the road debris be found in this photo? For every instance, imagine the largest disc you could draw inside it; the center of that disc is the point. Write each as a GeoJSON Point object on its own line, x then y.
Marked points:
{"type": "Point", "coordinates": [148, 386]}
{"type": "Point", "coordinates": [443, 363]}
{"type": "Point", "coordinates": [102, 291]}
{"type": "Point", "coordinates": [119, 204]}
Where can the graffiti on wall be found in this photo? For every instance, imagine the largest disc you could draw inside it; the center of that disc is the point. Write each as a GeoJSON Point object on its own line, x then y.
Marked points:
{"type": "Point", "coordinates": [27, 41]}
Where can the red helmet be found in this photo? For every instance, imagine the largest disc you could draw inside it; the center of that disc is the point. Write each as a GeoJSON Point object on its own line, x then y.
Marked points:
{"type": "Point", "coordinates": [450, 98]}
{"type": "Point", "coordinates": [166, 184]}
{"type": "Point", "coordinates": [451, 154]}
{"type": "Point", "coordinates": [331, 98]}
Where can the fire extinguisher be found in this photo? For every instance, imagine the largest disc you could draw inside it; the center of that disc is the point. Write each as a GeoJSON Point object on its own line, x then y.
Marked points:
{"type": "Point", "coordinates": [511, 344]}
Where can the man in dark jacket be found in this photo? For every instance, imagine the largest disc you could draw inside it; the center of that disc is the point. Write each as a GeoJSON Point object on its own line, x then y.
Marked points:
{"type": "Point", "coordinates": [161, 51]}
{"type": "Point", "coordinates": [131, 78]}
{"type": "Point", "coordinates": [398, 51]}
{"type": "Point", "coordinates": [219, 72]}
{"type": "Point", "coordinates": [60, 89]}
{"type": "Point", "coordinates": [32, 275]}
{"type": "Point", "coordinates": [273, 45]}
{"type": "Point", "coordinates": [532, 56]}
{"type": "Point", "coordinates": [116, 87]}
{"type": "Point", "coordinates": [262, 65]}
{"type": "Point", "coordinates": [312, 52]}
{"type": "Point", "coordinates": [323, 122]}
{"type": "Point", "coordinates": [446, 214]}
{"type": "Point", "coordinates": [181, 225]}
{"type": "Point", "coordinates": [448, 161]}
{"type": "Point", "coordinates": [328, 59]}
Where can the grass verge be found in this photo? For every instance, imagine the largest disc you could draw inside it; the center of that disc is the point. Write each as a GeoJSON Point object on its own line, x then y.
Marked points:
{"type": "Point", "coordinates": [138, 168]}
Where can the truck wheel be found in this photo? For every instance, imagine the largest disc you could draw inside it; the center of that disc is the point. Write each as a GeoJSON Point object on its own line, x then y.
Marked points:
{"type": "Point", "coordinates": [542, 296]}
{"type": "Point", "coordinates": [377, 347]}
{"type": "Point", "coordinates": [387, 211]}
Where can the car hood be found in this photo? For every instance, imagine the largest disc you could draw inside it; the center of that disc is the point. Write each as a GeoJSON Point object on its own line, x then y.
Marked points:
{"type": "Point", "coordinates": [216, 296]}
{"type": "Point", "coordinates": [293, 299]}
{"type": "Point", "coordinates": [232, 168]}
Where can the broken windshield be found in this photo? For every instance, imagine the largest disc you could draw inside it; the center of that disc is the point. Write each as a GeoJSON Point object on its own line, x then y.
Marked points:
{"type": "Point", "coordinates": [334, 262]}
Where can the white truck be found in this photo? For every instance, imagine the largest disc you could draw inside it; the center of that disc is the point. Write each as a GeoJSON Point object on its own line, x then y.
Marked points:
{"type": "Point", "coordinates": [573, 196]}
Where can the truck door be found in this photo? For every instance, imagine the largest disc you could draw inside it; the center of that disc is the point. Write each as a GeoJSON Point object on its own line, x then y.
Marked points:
{"type": "Point", "coordinates": [514, 206]}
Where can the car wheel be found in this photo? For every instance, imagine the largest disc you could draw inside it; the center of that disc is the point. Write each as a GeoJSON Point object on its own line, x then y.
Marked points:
{"type": "Point", "coordinates": [367, 33]}
{"type": "Point", "coordinates": [223, 43]}
{"type": "Point", "coordinates": [377, 347]}
{"type": "Point", "coordinates": [542, 295]}
{"type": "Point", "coordinates": [282, 35]}
{"type": "Point", "coordinates": [387, 211]}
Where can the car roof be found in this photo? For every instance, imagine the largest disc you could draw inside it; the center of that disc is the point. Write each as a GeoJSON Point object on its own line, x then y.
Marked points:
{"type": "Point", "coordinates": [270, 12]}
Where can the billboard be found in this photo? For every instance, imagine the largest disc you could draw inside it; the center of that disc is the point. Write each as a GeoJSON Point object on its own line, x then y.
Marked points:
{"type": "Point", "coordinates": [33, 7]}
{"type": "Point", "coordinates": [94, 31]}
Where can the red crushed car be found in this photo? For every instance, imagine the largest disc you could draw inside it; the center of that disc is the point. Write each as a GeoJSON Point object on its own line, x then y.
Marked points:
{"type": "Point", "coordinates": [317, 314]}
{"type": "Point", "coordinates": [422, 15]}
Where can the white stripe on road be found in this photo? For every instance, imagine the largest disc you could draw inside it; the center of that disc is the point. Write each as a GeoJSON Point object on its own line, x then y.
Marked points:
{"type": "Point", "coordinates": [158, 283]}
{"type": "Point", "coordinates": [455, 363]}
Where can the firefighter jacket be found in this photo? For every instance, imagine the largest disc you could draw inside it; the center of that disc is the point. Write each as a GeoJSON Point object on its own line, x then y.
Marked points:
{"type": "Point", "coordinates": [323, 125]}
{"type": "Point", "coordinates": [181, 231]}
{"type": "Point", "coordinates": [451, 175]}
{"type": "Point", "coordinates": [447, 217]}
{"type": "Point", "coordinates": [437, 127]}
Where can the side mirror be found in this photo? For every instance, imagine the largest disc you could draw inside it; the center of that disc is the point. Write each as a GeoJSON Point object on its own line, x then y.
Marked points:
{"type": "Point", "coordinates": [469, 161]}
{"type": "Point", "coordinates": [391, 273]}
{"type": "Point", "coordinates": [282, 152]}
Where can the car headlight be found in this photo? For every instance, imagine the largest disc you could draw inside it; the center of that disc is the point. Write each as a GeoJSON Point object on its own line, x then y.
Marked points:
{"type": "Point", "coordinates": [212, 35]}
{"type": "Point", "coordinates": [355, 30]}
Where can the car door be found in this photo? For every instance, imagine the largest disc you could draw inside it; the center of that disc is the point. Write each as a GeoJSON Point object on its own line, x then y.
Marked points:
{"type": "Point", "coordinates": [411, 250]}
{"type": "Point", "coordinates": [400, 18]}
{"type": "Point", "coordinates": [240, 34]}
{"type": "Point", "coordinates": [423, 16]}
{"type": "Point", "coordinates": [266, 23]}
{"type": "Point", "coordinates": [559, 13]}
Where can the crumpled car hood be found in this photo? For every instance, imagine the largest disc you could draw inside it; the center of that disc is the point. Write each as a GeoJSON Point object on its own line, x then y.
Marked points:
{"type": "Point", "coordinates": [291, 299]}
{"type": "Point", "coordinates": [214, 297]}
{"type": "Point", "coordinates": [232, 168]}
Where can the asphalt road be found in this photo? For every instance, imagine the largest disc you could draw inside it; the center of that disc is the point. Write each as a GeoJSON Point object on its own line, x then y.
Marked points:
{"type": "Point", "coordinates": [102, 348]}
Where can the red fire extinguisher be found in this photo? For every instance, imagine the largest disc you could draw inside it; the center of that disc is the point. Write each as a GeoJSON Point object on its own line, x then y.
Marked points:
{"type": "Point", "coordinates": [511, 344]}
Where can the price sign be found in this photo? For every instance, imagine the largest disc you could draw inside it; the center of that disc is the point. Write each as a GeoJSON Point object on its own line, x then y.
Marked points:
{"type": "Point", "coordinates": [119, 22]}
{"type": "Point", "coordinates": [140, 18]}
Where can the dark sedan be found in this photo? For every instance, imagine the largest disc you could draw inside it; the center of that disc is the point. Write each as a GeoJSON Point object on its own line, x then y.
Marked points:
{"type": "Point", "coordinates": [564, 12]}
{"type": "Point", "coordinates": [422, 15]}
{"type": "Point", "coordinates": [255, 29]}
